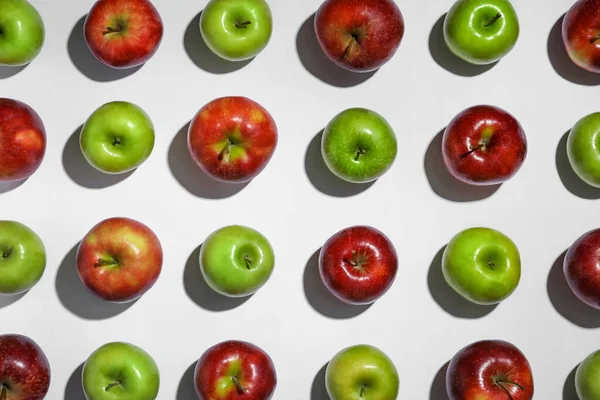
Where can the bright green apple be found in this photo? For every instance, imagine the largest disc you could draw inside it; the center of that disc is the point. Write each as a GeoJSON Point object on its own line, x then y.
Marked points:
{"type": "Point", "coordinates": [583, 149]}
{"type": "Point", "coordinates": [483, 265]}
{"type": "Point", "coordinates": [117, 137]}
{"type": "Point", "coordinates": [359, 145]}
{"type": "Point", "coordinates": [236, 260]}
{"type": "Point", "coordinates": [22, 258]}
{"type": "Point", "coordinates": [120, 371]}
{"type": "Point", "coordinates": [236, 30]}
{"type": "Point", "coordinates": [21, 32]}
{"type": "Point", "coordinates": [587, 377]}
{"type": "Point", "coordinates": [481, 31]}
{"type": "Point", "coordinates": [362, 372]}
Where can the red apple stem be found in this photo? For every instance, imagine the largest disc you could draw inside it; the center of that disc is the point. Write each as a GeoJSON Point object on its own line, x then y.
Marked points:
{"type": "Point", "coordinates": [3, 394]}
{"type": "Point", "coordinates": [110, 29]}
{"type": "Point", "coordinates": [491, 21]}
{"type": "Point", "coordinates": [225, 150]}
{"type": "Point", "coordinates": [349, 47]}
{"type": "Point", "coordinates": [359, 152]}
{"type": "Point", "coordinates": [7, 253]}
{"type": "Point", "coordinates": [468, 153]}
{"type": "Point", "coordinates": [242, 24]}
{"type": "Point", "coordinates": [500, 383]}
{"type": "Point", "coordinates": [238, 385]}
{"type": "Point", "coordinates": [112, 385]}
{"type": "Point", "coordinates": [595, 38]}
{"type": "Point", "coordinates": [101, 262]}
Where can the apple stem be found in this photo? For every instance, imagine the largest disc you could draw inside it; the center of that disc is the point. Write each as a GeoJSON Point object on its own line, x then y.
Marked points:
{"type": "Point", "coordinates": [359, 152]}
{"type": "Point", "coordinates": [110, 29]}
{"type": "Point", "coordinates": [491, 21]}
{"type": "Point", "coordinates": [112, 385]}
{"type": "Point", "coordinates": [248, 262]}
{"type": "Point", "coordinates": [116, 141]}
{"type": "Point", "coordinates": [7, 253]}
{"type": "Point", "coordinates": [242, 24]}
{"type": "Point", "coordinates": [349, 47]}
{"type": "Point", "coordinates": [101, 262]}
{"type": "Point", "coordinates": [363, 389]}
{"type": "Point", "coordinates": [468, 153]}
{"type": "Point", "coordinates": [491, 265]}
{"type": "Point", "coordinates": [240, 388]}
{"type": "Point", "coordinates": [3, 394]}
{"type": "Point", "coordinates": [225, 150]}
{"type": "Point", "coordinates": [592, 40]}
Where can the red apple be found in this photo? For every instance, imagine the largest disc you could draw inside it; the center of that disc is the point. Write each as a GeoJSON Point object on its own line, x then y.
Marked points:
{"type": "Point", "coordinates": [489, 370]}
{"type": "Point", "coordinates": [359, 35]}
{"type": "Point", "coordinates": [484, 145]}
{"type": "Point", "coordinates": [22, 140]}
{"type": "Point", "coordinates": [358, 264]}
{"type": "Point", "coordinates": [232, 139]}
{"type": "Point", "coordinates": [119, 259]}
{"type": "Point", "coordinates": [581, 34]}
{"type": "Point", "coordinates": [581, 268]}
{"type": "Point", "coordinates": [123, 33]}
{"type": "Point", "coordinates": [235, 370]}
{"type": "Point", "coordinates": [24, 369]}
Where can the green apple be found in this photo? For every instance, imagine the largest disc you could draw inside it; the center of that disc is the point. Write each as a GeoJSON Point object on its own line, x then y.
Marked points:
{"type": "Point", "coordinates": [587, 377]}
{"type": "Point", "coordinates": [21, 32]}
{"type": "Point", "coordinates": [236, 260]}
{"type": "Point", "coordinates": [120, 371]}
{"type": "Point", "coordinates": [117, 137]}
{"type": "Point", "coordinates": [481, 31]}
{"type": "Point", "coordinates": [236, 30]}
{"type": "Point", "coordinates": [583, 149]}
{"type": "Point", "coordinates": [359, 145]}
{"type": "Point", "coordinates": [482, 265]}
{"type": "Point", "coordinates": [22, 258]}
{"type": "Point", "coordinates": [361, 372]}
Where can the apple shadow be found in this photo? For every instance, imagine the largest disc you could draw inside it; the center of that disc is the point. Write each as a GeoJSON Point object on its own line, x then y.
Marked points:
{"type": "Point", "coordinates": [81, 172]}
{"type": "Point", "coordinates": [569, 392]}
{"type": "Point", "coordinates": [202, 56]}
{"type": "Point", "coordinates": [9, 186]}
{"type": "Point", "coordinates": [8, 71]}
{"type": "Point", "coordinates": [438, 386]}
{"type": "Point", "coordinates": [442, 55]}
{"type": "Point", "coordinates": [7, 300]}
{"type": "Point", "coordinates": [562, 64]}
{"type": "Point", "coordinates": [200, 293]}
{"type": "Point", "coordinates": [87, 63]}
{"type": "Point", "coordinates": [319, 297]}
{"type": "Point", "coordinates": [74, 388]}
{"type": "Point", "coordinates": [568, 177]}
{"type": "Point", "coordinates": [443, 183]}
{"type": "Point", "coordinates": [186, 389]}
{"type": "Point", "coordinates": [448, 300]}
{"type": "Point", "coordinates": [316, 62]}
{"type": "Point", "coordinates": [191, 177]}
{"type": "Point", "coordinates": [565, 302]}
{"type": "Point", "coordinates": [77, 298]}
{"type": "Point", "coordinates": [318, 390]}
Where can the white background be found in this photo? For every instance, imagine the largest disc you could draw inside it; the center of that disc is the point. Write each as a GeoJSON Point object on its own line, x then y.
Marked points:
{"type": "Point", "coordinates": [297, 204]}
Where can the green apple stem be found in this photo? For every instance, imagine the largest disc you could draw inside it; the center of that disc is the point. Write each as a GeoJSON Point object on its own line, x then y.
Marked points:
{"type": "Point", "coordinates": [116, 141]}
{"type": "Point", "coordinates": [110, 29]}
{"type": "Point", "coordinates": [249, 264]}
{"type": "Point", "coordinates": [102, 262]}
{"type": "Point", "coordinates": [3, 394]}
{"type": "Point", "coordinates": [243, 25]}
{"type": "Point", "coordinates": [363, 389]}
{"type": "Point", "coordinates": [225, 150]}
{"type": "Point", "coordinates": [238, 385]}
{"type": "Point", "coordinates": [359, 153]}
{"type": "Point", "coordinates": [491, 21]}
{"type": "Point", "coordinates": [7, 253]}
{"type": "Point", "coordinates": [112, 385]}
{"type": "Point", "coordinates": [491, 265]}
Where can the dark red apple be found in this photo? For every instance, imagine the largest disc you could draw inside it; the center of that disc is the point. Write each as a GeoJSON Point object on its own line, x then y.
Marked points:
{"type": "Point", "coordinates": [582, 268]}
{"type": "Point", "coordinates": [235, 370]}
{"type": "Point", "coordinates": [358, 264]}
{"type": "Point", "coordinates": [359, 35]}
{"type": "Point", "coordinates": [119, 259]}
{"type": "Point", "coordinates": [123, 33]}
{"type": "Point", "coordinates": [24, 369]}
{"type": "Point", "coordinates": [232, 139]}
{"type": "Point", "coordinates": [489, 370]}
{"type": "Point", "coordinates": [484, 145]}
{"type": "Point", "coordinates": [581, 34]}
{"type": "Point", "coordinates": [22, 140]}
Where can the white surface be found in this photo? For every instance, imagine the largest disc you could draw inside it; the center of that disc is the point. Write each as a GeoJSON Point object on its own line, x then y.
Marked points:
{"type": "Point", "coordinates": [291, 317]}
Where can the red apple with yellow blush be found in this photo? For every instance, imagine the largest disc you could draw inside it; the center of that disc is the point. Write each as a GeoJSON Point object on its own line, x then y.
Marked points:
{"type": "Point", "coordinates": [581, 34]}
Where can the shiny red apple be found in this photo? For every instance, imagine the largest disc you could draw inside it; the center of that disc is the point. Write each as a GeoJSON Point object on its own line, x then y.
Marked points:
{"type": "Point", "coordinates": [359, 35]}
{"type": "Point", "coordinates": [358, 264]}
{"type": "Point", "coordinates": [484, 145]}
{"type": "Point", "coordinates": [489, 370]}
{"type": "Point", "coordinates": [581, 34]}
{"type": "Point", "coordinates": [123, 33]}
{"type": "Point", "coordinates": [582, 268]}
{"type": "Point", "coordinates": [235, 370]}
{"type": "Point", "coordinates": [22, 140]}
{"type": "Point", "coordinates": [24, 369]}
{"type": "Point", "coordinates": [119, 259]}
{"type": "Point", "coordinates": [232, 139]}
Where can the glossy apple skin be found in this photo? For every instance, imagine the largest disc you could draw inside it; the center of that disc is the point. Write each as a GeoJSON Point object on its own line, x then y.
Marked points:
{"type": "Point", "coordinates": [24, 369]}
{"type": "Point", "coordinates": [223, 364]}
{"type": "Point", "coordinates": [582, 149]}
{"type": "Point", "coordinates": [580, 33]}
{"type": "Point", "coordinates": [582, 268]}
{"type": "Point", "coordinates": [484, 145]}
{"type": "Point", "coordinates": [22, 140]}
{"type": "Point", "coordinates": [587, 377]}
{"type": "Point", "coordinates": [119, 259]}
{"type": "Point", "coordinates": [358, 264]}
{"type": "Point", "coordinates": [232, 139]}
{"type": "Point", "coordinates": [22, 32]}
{"type": "Point", "coordinates": [359, 35]}
{"type": "Point", "coordinates": [489, 370]}
{"type": "Point", "coordinates": [123, 33]}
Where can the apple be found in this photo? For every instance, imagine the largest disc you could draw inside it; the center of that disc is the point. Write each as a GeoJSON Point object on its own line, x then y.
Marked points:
{"type": "Point", "coordinates": [481, 31]}
{"type": "Point", "coordinates": [587, 378]}
{"type": "Point", "coordinates": [484, 145]}
{"type": "Point", "coordinates": [581, 268]}
{"type": "Point", "coordinates": [236, 260]}
{"type": "Point", "coordinates": [119, 259]}
{"type": "Point", "coordinates": [483, 265]}
{"type": "Point", "coordinates": [583, 151]}
{"type": "Point", "coordinates": [358, 264]}
{"type": "Point", "coordinates": [236, 30]}
{"type": "Point", "coordinates": [359, 145]}
{"type": "Point", "coordinates": [232, 139]}
{"type": "Point", "coordinates": [489, 370]}
{"type": "Point", "coordinates": [22, 258]}
{"type": "Point", "coordinates": [118, 137]}
{"type": "Point", "coordinates": [581, 34]}
{"type": "Point", "coordinates": [123, 34]}
{"type": "Point", "coordinates": [22, 32]}
{"type": "Point", "coordinates": [359, 35]}
{"type": "Point", "coordinates": [24, 369]}
{"type": "Point", "coordinates": [235, 369]}
{"type": "Point", "coordinates": [361, 372]}
{"type": "Point", "coordinates": [22, 140]}
{"type": "Point", "coordinates": [120, 371]}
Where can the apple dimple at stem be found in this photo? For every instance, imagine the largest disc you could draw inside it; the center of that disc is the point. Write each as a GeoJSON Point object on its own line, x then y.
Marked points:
{"type": "Point", "coordinates": [6, 253]}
